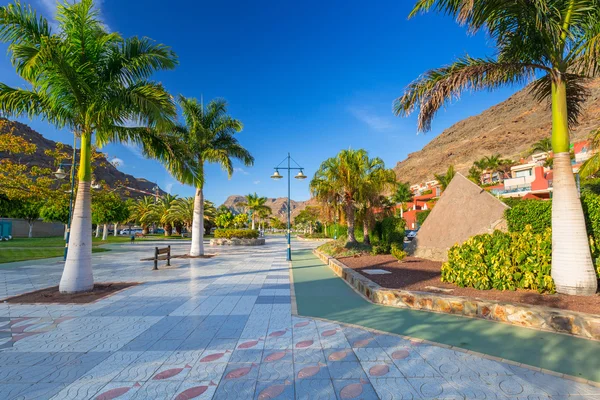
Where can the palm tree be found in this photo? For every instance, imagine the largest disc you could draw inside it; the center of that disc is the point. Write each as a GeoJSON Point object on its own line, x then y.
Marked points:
{"type": "Point", "coordinates": [345, 176]}
{"type": "Point", "coordinates": [402, 195]}
{"type": "Point", "coordinates": [92, 82]}
{"type": "Point", "coordinates": [162, 209]}
{"type": "Point", "coordinates": [541, 146]}
{"type": "Point", "coordinates": [142, 213]}
{"type": "Point", "coordinates": [444, 180]}
{"type": "Point", "coordinates": [375, 181]}
{"type": "Point", "coordinates": [182, 210]}
{"type": "Point", "coordinates": [206, 137]}
{"type": "Point", "coordinates": [256, 205]}
{"type": "Point", "coordinates": [557, 44]}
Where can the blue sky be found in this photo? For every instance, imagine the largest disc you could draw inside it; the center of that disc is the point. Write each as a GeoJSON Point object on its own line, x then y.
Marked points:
{"type": "Point", "coordinates": [308, 77]}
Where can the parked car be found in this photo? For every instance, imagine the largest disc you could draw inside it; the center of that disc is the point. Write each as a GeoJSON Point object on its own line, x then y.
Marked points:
{"type": "Point", "coordinates": [159, 231]}
{"type": "Point", "coordinates": [130, 231]}
{"type": "Point", "coordinates": [410, 235]}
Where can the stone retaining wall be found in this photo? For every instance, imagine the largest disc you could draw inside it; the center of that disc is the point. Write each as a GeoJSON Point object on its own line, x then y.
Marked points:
{"type": "Point", "coordinates": [313, 239]}
{"type": "Point", "coordinates": [538, 317]}
{"type": "Point", "coordinates": [237, 242]}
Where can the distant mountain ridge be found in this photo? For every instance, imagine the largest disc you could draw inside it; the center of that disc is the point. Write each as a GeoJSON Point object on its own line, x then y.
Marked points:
{"type": "Point", "coordinates": [277, 205]}
{"type": "Point", "coordinates": [508, 128]}
{"type": "Point", "coordinates": [103, 169]}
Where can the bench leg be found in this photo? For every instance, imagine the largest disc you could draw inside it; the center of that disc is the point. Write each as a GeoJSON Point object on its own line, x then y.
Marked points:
{"type": "Point", "coordinates": [155, 259]}
{"type": "Point", "coordinates": [169, 256]}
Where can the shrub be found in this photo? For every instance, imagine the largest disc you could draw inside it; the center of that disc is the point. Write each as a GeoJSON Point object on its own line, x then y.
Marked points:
{"type": "Point", "coordinates": [389, 230]}
{"type": "Point", "coordinates": [422, 216]}
{"type": "Point", "coordinates": [236, 233]}
{"type": "Point", "coordinates": [397, 250]}
{"type": "Point", "coordinates": [503, 261]}
{"type": "Point", "coordinates": [339, 248]}
{"type": "Point", "coordinates": [536, 213]}
{"type": "Point", "coordinates": [381, 248]}
{"type": "Point", "coordinates": [314, 235]}
{"type": "Point", "coordinates": [342, 230]}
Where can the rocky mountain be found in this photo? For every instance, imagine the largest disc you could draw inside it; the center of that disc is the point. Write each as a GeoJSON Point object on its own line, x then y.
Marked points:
{"type": "Point", "coordinates": [509, 128]}
{"type": "Point", "coordinates": [277, 205]}
{"type": "Point", "coordinates": [103, 169]}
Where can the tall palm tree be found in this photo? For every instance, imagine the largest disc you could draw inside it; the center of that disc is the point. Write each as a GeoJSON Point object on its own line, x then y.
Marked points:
{"type": "Point", "coordinates": [256, 205]}
{"type": "Point", "coordinates": [345, 176]}
{"type": "Point", "coordinates": [402, 195]}
{"type": "Point", "coordinates": [92, 82]}
{"type": "Point", "coordinates": [183, 210]}
{"type": "Point", "coordinates": [557, 44]}
{"type": "Point", "coordinates": [162, 209]}
{"type": "Point", "coordinates": [206, 137]}
{"type": "Point", "coordinates": [444, 179]}
{"type": "Point", "coordinates": [375, 181]}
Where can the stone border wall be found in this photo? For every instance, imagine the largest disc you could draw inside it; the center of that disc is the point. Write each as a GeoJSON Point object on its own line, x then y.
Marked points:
{"type": "Point", "coordinates": [237, 242]}
{"type": "Point", "coordinates": [313, 239]}
{"type": "Point", "coordinates": [537, 317]}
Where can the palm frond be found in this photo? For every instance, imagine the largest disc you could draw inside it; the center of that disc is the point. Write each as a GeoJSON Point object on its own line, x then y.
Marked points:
{"type": "Point", "coordinates": [577, 93]}
{"type": "Point", "coordinates": [439, 86]}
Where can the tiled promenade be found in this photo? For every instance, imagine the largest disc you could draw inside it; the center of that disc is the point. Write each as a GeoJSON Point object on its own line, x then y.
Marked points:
{"type": "Point", "coordinates": [223, 328]}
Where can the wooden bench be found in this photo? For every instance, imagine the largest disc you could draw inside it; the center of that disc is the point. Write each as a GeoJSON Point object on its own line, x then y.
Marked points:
{"type": "Point", "coordinates": [158, 255]}
{"type": "Point", "coordinates": [139, 235]}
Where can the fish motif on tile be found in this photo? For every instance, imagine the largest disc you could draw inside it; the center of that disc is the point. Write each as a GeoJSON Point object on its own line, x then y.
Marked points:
{"type": "Point", "coordinates": [338, 355]}
{"type": "Point", "coordinates": [278, 355]}
{"type": "Point", "coordinates": [239, 372]}
{"type": "Point", "coordinates": [273, 391]}
{"type": "Point", "coordinates": [307, 372]}
{"type": "Point", "coordinates": [400, 354]}
{"type": "Point", "coordinates": [169, 373]}
{"type": "Point", "coordinates": [352, 390]}
{"type": "Point", "coordinates": [116, 392]}
{"type": "Point", "coordinates": [213, 357]}
{"type": "Point", "coordinates": [249, 344]}
{"type": "Point", "coordinates": [194, 392]}
{"type": "Point", "coordinates": [301, 324]}
{"type": "Point", "coordinates": [278, 333]}
{"type": "Point", "coordinates": [362, 342]}
{"type": "Point", "coordinates": [329, 332]}
{"type": "Point", "coordinates": [303, 344]}
{"type": "Point", "coordinates": [379, 370]}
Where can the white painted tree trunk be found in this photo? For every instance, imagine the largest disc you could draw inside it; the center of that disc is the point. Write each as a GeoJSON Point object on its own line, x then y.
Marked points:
{"type": "Point", "coordinates": [30, 234]}
{"type": "Point", "coordinates": [105, 232]}
{"type": "Point", "coordinates": [116, 226]}
{"type": "Point", "coordinates": [197, 247]}
{"type": "Point", "coordinates": [572, 265]}
{"type": "Point", "coordinates": [77, 275]}
{"type": "Point", "coordinates": [98, 230]}
{"type": "Point", "coordinates": [401, 210]}
{"type": "Point", "coordinates": [253, 222]}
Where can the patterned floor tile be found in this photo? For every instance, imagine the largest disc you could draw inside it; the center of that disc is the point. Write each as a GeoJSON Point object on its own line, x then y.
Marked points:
{"type": "Point", "coordinates": [314, 389]}
{"type": "Point", "coordinates": [354, 389]}
{"type": "Point", "coordinates": [280, 390]}
{"type": "Point", "coordinates": [394, 389]}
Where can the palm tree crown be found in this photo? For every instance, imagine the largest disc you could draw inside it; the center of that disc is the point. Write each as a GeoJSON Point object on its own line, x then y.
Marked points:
{"type": "Point", "coordinates": [256, 205]}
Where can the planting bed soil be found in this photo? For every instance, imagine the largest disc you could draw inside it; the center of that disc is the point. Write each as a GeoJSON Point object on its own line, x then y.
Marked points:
{"type": "Point", "coordinates": [417, 274]}
{"type": "Point", "coordinates": [52, 295]}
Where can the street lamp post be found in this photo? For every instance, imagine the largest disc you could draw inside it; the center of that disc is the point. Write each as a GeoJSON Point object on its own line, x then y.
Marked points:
{"type": "Point", "coordinates": [300, 176]}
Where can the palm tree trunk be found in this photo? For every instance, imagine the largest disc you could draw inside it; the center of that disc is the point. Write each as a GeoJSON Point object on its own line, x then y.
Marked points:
{"type": "Point", "coordinates": [98, 230]}
{"type": "Point", "coordinates": [197, 247]}
{"type": "Point", "coordinates": [350, 223]}
{"type": "Point", "coordinates": [572, 266]}
{"type": "Point", "coordinates": [105, 232]}
{"type": "Point", "coordinates": [366, 239]}
{"type": "Point", "coordinates": [115, 226]}
{"type": "Point", "coordinates": [77, 274]}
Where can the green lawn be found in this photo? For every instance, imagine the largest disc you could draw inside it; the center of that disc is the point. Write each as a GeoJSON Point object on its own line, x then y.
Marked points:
{"type": "Point", "coordinates": [9, 255]}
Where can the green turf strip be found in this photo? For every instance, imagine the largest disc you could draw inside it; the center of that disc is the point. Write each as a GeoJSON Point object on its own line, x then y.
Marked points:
{"type": "Point", "coordinates": [320, 293]}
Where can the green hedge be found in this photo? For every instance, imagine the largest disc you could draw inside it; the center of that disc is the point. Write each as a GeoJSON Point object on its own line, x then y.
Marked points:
{"type": "Point", "coordinates": [503, 261]}
{"type": "Point", "coordinates": [389, 230]}
{"type": "Point", "coordinates": [236, 233]}
{"type": "Point", "coordinates": [536, 213]}
{"type": "Point", "coordinates": [422, 216]}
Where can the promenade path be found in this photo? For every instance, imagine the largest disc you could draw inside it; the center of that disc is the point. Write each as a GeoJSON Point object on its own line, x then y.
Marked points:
{"type": "Point", "coordinates": [223, 328]}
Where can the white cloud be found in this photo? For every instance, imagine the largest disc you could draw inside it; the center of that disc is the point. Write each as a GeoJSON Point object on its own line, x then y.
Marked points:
{"type": "Point", "coordinates": [374, 121]}
{"type": "Point", "coordinates": [241, 171]}
{"type": "Point", "coordinates": [256, 182]}
{"type": "Point", "coordinates": [117, 162]}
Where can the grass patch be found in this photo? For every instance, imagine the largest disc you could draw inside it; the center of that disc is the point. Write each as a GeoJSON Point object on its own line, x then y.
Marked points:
{"type": "Point", "coordinates": [340, 248]}
{"type": "Point", "coordinates": [25, 254]}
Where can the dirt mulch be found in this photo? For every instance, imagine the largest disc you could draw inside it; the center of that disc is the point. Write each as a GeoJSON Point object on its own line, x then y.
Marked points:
{"type": "Point", "coordinates": [418, 274]}
{"type": "Point", "coordinates": [52, 295]}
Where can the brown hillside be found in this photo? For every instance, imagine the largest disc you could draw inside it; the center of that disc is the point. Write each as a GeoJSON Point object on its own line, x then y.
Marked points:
{"type": "Point", "coordinates": [278, 205]}
{"type": "Point", "coordinates": [509, 128]}
{"type": "Point", "coordinates": [103, 169]}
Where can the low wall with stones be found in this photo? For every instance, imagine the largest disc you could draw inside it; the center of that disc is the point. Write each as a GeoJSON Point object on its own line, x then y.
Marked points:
{"type": "Point", "coordinates": [237, 242]}
{"type": "Point", "coordinates": [544, 318]}
{"type": "Point", "coordinates": [314, 239]}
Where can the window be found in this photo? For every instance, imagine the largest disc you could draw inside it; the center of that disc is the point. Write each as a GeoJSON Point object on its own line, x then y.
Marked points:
{"type": "Point", "coordinates": [524, 173]}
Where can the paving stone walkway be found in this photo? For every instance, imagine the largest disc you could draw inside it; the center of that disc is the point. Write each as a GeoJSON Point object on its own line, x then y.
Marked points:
{"type": "Point", "coordinates": [223, 328]}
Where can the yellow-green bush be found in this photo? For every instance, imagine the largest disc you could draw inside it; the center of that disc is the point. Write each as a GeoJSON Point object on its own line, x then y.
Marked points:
{"type": "Point", "coordinates": [504, 261]}
{"type": "Point", "coordinates": [236, 233]}
{"type": "Point", "coordinates": [397, 250]}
